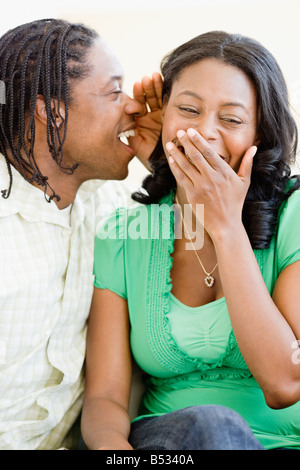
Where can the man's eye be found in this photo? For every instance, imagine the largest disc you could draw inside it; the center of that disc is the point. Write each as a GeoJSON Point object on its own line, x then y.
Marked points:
{"type": "Point", "coordinates": [117, 92]}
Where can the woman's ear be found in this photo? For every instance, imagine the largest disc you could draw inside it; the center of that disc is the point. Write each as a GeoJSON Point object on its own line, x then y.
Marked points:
{"type": "Point", "coordinates": [257, 141]}
{"type": "Point", "coordinates": [258, 138]}
{"type": "Point", "coordinates": [41, 111]}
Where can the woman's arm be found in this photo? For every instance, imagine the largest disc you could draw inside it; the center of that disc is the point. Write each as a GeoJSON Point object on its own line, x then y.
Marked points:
{"type": "Point", "coordinates": [266, 329]}
{"type": "Point", "coordinates": [105, 422]}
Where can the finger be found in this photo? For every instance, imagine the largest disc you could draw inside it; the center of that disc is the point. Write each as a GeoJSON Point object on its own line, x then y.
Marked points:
{"type": "Point", "coordinates": [150, 93]}
{"type": "Point", "coordinates": [184, 168]}
{"type": "Point", "coordinates": [199, 151]}
{"type": "Point", "coordinates": [158, 85]}
{"type": "Point", "coordinates": [191, 152]}
{"type": "Point", "coordinates": [246, 165]}
{"type": "Point", "coordinates": [138, 93]}
{"type": "Point", "coordinates": [181, 178]}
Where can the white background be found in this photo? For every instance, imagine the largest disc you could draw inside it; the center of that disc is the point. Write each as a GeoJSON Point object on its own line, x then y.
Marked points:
{"type": "Point", "coordinates": [142, 32]}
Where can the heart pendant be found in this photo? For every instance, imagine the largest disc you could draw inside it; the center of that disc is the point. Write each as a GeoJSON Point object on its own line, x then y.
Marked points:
{"type": "Point", "coordinates": [209, 281]}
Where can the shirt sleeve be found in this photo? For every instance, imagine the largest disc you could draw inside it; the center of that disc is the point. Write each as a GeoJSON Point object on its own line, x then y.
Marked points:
{"type": "Point", "coordinates": [109, 263]}
{"type": "Point", "coordinates": [288, 237]}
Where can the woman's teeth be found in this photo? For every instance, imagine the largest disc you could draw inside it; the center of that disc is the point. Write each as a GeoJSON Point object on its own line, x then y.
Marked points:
{"type": "Point", "coordinates": [180, 147]}
{"type": "Point", "coordinates": [124, 135]}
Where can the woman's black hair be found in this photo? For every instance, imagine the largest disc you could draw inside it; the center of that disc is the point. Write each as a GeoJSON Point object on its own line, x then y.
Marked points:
{"type": "Point", "coordinates": [43, 57]}
{"type": "Point", "coordinates": [277, 129]}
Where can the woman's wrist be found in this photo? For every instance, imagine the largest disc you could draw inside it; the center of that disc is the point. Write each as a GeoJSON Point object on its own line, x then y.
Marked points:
{"type": "Point", "coordinates": [229, 233]}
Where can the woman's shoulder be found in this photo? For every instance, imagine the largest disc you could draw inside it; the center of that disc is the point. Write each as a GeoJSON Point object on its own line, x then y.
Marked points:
{"type": "Point", "coordinates": [289, 211]}
{"type": "Point", "coordinates": [288, 233]}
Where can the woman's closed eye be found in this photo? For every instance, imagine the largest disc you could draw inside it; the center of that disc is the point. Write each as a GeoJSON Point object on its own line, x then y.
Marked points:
{"type": "Point", "coordinates": [187, 109]}
{"type": "Point", "coordinates": [231, 120]}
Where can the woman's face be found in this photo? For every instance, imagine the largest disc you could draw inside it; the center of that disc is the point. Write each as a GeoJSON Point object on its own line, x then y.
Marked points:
{"type": "Point", "coordinates": [219, 101]}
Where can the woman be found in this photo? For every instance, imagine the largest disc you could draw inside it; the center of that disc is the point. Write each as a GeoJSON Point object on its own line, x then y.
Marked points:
{"type": "Point", "coordinates": [215, 327]}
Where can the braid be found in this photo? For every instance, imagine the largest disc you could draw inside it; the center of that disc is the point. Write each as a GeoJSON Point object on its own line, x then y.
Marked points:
{"type": "Point", "coordinates": [39, 58]}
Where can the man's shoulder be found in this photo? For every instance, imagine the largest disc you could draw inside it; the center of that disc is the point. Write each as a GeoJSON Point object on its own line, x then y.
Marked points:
{"type": "Point", "coordinates": [117, 193]}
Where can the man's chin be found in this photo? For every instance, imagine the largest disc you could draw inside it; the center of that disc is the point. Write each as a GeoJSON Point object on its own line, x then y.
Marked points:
{"type": "Point", "coordinates": [119, 176]}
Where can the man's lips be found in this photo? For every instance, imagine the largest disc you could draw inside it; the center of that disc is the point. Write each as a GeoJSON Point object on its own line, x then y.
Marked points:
{"type": "Point", "coordinates": [123, 138]}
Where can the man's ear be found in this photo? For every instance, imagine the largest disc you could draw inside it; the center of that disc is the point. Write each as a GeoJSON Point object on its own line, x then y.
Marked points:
{"type": "Point", "coordinates": [41, 112]}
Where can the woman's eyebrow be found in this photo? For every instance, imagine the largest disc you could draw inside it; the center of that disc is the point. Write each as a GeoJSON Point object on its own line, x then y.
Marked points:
{"type": "Point", "coordinates": [235, 104]}
{"type": "Point", "coordinates": [191, 93]}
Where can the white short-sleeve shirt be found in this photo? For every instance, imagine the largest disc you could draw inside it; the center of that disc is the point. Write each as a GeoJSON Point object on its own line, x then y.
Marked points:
{"type": "Point", "coordinates": [46, 285]}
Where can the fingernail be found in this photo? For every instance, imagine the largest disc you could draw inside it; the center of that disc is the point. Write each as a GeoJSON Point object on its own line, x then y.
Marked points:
{"type": "Point", "coordinates": [169, 146]}
{"type": "Point", "coordinates": [180, 134]}
{"type": "Point", "coordinates": [191, 132]}
{"type": "Point", "coordinates": [171, 160]}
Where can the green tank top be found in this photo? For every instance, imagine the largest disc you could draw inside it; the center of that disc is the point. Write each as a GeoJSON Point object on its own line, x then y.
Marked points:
{"type": "Point", "coordinates": [190, 356]}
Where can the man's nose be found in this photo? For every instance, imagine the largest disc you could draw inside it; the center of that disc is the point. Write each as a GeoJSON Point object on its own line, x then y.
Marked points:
{"type": "Point", "coordinates": [134, 107]}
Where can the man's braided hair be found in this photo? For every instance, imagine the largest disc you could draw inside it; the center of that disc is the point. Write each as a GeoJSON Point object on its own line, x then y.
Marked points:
{"type": "Point", "coordinates": [43, 57]}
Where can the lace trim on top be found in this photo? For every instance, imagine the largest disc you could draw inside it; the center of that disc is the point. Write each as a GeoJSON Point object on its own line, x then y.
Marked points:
{"type": "Point", "coordinates": [160, 339]}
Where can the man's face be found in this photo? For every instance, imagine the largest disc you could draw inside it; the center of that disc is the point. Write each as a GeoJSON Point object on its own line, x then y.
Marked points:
{"type": "Point", "coordinates": [98, 113]}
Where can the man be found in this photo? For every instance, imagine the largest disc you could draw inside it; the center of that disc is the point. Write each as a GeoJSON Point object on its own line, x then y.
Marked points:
{"type": "Point", "coordinates": [60, 133]}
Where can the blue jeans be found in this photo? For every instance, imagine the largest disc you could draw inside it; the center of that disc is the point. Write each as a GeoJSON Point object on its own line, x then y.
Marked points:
{"type": "Point", "coordinates": [209, 427]}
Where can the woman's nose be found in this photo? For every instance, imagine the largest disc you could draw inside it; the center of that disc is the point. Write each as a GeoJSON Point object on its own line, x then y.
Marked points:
{"type": "Point", "coordinates": [207, 127]}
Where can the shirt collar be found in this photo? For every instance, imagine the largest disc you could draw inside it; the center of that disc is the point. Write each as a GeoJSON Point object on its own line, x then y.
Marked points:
{"type": "Point", "coordinates": [29, 201]}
